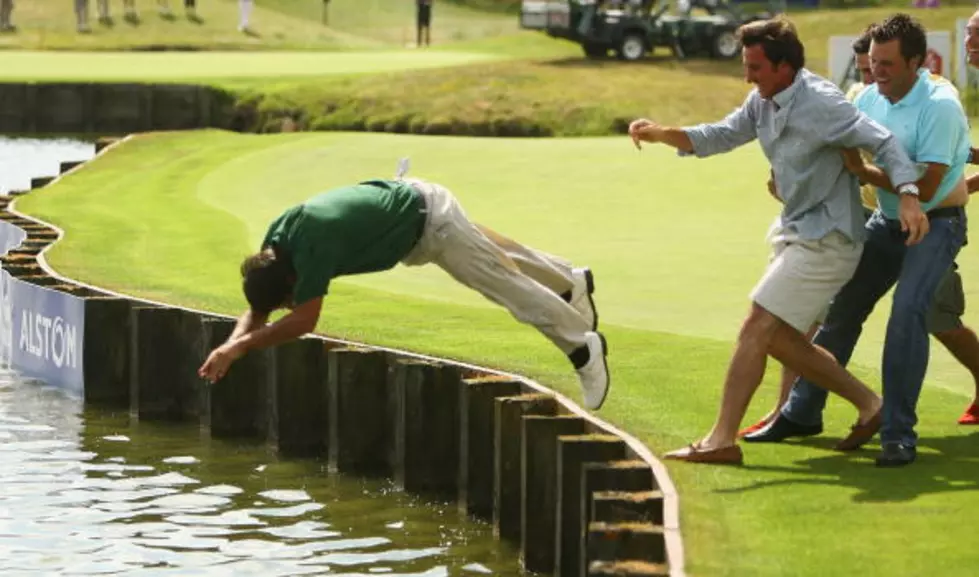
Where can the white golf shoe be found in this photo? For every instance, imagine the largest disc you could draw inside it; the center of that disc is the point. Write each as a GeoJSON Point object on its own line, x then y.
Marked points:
{"type": "Point", "coordinates": [594, 374]}
{"type": "Point", "coordinates": [581, 299]}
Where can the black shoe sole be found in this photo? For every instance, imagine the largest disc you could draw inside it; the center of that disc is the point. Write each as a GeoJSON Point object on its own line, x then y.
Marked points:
{"type": "Point", "coordinates": [590, 282]}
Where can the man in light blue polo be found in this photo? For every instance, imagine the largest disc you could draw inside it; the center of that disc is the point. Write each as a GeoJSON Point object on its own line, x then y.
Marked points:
{"type": "Point", "coordinates": [802, 122]}
{"type": "Point", "coordinates": [927, 118]}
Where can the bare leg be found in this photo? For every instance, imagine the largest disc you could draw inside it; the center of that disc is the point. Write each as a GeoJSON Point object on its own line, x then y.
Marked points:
{"type": "Point", "coordinates": [763, 334]}
{"type": "Point", "coordinates": [788, 377]}
{"type": "Point", "coordinates": [819, 366]}
{"type": "Point", "coordinates": [744, 374]}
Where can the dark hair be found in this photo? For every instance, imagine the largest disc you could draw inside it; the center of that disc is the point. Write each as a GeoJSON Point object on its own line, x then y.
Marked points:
{"type": "Point", "coordinates": [778, 38]}
{"type": "Point", "coordinates": [906, 30]}
{"type": "Point", "coordinates": [862, 44]}
{"type": "Point", "coordinates": [266, 281]}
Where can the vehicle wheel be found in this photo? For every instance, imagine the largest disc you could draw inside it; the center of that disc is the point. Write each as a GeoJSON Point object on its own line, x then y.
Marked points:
{"type": "Point", "coordinates": [632, 48]}
{"type": "Point", "coordinates": [725, 45]}
{"type": "Point", "coordinates": [595, 50]}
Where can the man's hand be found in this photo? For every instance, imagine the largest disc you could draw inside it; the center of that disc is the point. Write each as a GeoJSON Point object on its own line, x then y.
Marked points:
{"type": "Point", "coordinates": [643, 130]}
{"type": "Point", "coordinates": [219, 361]}
{"type": "Point", "coordinates": [853, 162]}
{"type": "Point", "coordinates": [914, 221]}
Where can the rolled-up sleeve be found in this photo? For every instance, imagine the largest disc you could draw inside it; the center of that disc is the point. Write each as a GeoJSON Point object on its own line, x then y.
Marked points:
{"type": "Point", "coordinates": [736, 129]}
{"type": "Point", "coordinates": [845, 126]}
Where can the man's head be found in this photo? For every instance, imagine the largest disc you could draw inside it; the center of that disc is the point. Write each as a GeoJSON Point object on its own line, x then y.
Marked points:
{"type": "Point", "coordinates": [267, 281]}
{"type": "Point", "coordinates": [972, 40]}
{"type": "Point", "coordinates": [861, 55]}
{"type": "Point", "coordinates": [772, 54]}
{"type": "Point", "coordinates": [897, 50]}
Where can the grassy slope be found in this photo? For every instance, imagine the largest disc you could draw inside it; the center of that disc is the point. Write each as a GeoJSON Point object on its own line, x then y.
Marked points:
{"type": "Point", "coordinates": [555, 88]}
{"type": "Point", "coordinates": [292, 24]}
{"type": "Point", "coordinates": [674, 265]}
{"type": "Point", "coordinates": [549, 86]}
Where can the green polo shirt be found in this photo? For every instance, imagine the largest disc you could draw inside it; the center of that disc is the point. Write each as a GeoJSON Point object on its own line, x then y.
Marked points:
{"type": "Point", "coordinates": [367, 227]}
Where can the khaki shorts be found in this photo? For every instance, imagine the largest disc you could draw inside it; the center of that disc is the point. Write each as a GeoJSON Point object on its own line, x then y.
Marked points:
{"type": "Point", "coordinates": [804, 275]}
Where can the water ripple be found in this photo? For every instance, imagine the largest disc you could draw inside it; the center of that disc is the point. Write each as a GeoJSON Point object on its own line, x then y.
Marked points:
{"type": "Point", "coordinates": [88, 493]}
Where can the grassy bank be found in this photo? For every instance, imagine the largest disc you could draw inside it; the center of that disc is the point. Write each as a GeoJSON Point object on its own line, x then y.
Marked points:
{"type": "Point", "coordinates": [169, 216]}
{"type": "Point", "coordinates": [551, 90]}
{"type": "Point", "coordinates": [497, 82]}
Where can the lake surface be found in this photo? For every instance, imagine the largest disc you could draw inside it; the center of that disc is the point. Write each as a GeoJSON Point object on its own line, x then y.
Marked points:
{"type": "Point", "coordinates": [86, 491]}
{"type": "Point", "coordinates": [24, 158]}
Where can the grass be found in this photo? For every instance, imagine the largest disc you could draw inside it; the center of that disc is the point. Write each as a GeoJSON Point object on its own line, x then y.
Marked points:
{"type": "Point", "coordinates": [254, 68]}
{"type": "Point", "coordinates": [276, 24]}
{"type": "Point", "coordinates": [552, 90]}
{"type": "Point", "coordinates": [675, 250]}
{"type": "Point", "coordinates": [483, 78]}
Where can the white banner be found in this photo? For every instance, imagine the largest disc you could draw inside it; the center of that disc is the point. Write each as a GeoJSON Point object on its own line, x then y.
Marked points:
{"type": "Point", "coordinates": [843, 72]}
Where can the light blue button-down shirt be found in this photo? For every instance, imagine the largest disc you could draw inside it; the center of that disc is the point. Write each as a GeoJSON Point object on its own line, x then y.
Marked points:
{"type": "Point", "coordinates": [802, 131]}
{"type": "Point", "coordinates": [930, 124]}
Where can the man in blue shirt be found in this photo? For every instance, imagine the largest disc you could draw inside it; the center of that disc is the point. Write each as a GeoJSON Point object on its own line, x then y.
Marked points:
{"type": "Point", "coordinates": [927, 118]}
{"type": "Point", "coordinates": [802, 122]}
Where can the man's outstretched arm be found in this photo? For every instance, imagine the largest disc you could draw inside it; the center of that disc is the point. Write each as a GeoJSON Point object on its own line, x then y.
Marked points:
{"type": "Point", "coordinates": [249, 321]}
{"type": "Point", "coordinates": [736, 129]}
{"type": "Point", "coordinates": [300, 321]}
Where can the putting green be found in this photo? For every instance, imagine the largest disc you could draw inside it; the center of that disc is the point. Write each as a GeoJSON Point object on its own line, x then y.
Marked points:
{"type": "Point", "coordinates": [676, 245]}
{"type": "Point", "coordinates": [209, 66]}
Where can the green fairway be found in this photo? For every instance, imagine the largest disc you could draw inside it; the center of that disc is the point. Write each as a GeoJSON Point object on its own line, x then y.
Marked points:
{"type": "Point", "coordinates": [676, 244]}
{"type": "Point", "coordinates": [214, 67]}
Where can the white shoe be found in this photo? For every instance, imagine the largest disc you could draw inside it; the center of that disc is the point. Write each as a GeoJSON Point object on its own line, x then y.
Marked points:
{"type": "Point", "coordinates": [581, 299]}
{"type": "Point", "coordinates": [594, 374]}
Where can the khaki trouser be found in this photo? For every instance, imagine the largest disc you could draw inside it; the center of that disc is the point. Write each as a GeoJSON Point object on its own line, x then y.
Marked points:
{"type": "Point", "coordinates": [524, 281]}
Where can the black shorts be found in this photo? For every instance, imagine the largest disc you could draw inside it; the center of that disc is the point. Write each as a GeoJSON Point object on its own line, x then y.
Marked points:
{"type": "Point", "coordinates": [424, 15]}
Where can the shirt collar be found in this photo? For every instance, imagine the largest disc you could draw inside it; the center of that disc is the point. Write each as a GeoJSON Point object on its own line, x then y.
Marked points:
{"type": "Point", "coordinates": [919, 90]}
{"type": "Point", "coordinates": [784, 98]}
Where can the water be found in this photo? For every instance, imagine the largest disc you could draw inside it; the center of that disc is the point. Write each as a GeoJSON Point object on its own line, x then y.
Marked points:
{"type": "Point", "coordinates": [24, 158]}
{"type": "Point", "coordinates": [85, 491]}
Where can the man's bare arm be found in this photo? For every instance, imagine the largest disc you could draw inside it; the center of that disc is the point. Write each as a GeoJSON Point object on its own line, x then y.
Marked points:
{"type": "Point", "coordinates": [972, 182]}
{"type": "Point", "coordinates": [300, 321]}
{"type": "Point", "coordinates": [927, 184]}
{"type": "Point", "coordinates": [249, 321]}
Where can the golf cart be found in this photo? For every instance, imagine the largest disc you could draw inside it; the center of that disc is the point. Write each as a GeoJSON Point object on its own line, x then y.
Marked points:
{"type": "Point", "coordinates": [632, 28]}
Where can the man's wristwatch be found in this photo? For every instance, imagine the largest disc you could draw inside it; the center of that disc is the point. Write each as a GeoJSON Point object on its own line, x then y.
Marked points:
{"type": "Point", "coordinates": [909, 189]}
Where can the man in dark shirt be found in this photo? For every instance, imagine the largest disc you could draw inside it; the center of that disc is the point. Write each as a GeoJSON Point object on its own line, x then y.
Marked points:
{"type": "Point", "coordinates": [424, 21]}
